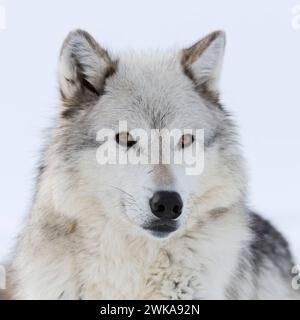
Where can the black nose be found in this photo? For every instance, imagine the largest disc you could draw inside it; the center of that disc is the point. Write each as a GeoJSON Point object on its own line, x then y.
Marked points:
{"type": "Point", "coordinates": [166, 204]}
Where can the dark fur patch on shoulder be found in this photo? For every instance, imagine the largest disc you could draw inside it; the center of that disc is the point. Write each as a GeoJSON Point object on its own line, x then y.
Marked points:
{"type": "Point", "coordinates": [268, 243]}
{"type": "Point", "coordinates": [267, 249]}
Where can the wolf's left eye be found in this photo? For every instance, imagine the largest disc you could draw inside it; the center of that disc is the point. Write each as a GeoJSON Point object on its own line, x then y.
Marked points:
{"type": "Point", "coordinates": [125, 139]}
{"type": "Point", "coordinates": [186, 140]}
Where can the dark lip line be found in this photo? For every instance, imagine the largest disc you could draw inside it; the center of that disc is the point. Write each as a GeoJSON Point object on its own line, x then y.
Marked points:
{"type": "Point", "coordinates": [160, 223]}
{"type": "Point", "coordinates": [161, 226]}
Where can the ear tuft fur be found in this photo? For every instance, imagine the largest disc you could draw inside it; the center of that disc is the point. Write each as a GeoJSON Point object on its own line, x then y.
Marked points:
{"type": "Point", "coordinates": [202, 61]}
{"type": "Point", "coordinates": [83, 68]}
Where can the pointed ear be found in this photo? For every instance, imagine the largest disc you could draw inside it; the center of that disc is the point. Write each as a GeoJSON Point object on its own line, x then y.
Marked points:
{"type": "Point", "coordinates": [83, 68]}
{"type": "Point", "coordinates": [203, 61]}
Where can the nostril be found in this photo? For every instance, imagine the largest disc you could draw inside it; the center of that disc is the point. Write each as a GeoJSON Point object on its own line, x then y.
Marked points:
{"type": "Point", "coordinates": [177, 209]}
{"type": "Point", "coordinates": [161, 208]}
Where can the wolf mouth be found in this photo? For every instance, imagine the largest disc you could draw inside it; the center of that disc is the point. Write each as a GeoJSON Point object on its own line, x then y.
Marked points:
{"type": "Point", "coordinates": [161, 228]}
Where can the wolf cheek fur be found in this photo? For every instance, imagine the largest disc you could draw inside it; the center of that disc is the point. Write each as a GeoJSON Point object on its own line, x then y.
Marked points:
{"type": "Point", "coordinates": [84, 237]}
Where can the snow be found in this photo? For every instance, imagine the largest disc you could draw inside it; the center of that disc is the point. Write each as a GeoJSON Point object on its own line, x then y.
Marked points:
{"type": "Point", "coordinates": [260, 86]}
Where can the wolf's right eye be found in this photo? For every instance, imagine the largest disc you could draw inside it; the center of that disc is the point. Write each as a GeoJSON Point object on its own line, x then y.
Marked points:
{"type": "Point", "coordinates": [125, 139]}
{"type": "Point", "coordinates": [186, 140]}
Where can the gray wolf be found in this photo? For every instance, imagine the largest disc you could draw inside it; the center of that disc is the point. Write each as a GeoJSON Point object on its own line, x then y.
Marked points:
{"type": "Point", "coordinates": [144, 231]}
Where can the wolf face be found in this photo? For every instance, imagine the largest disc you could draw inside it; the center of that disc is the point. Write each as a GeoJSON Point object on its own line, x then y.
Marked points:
{"type": "Point", "coordinates": [158, 93]}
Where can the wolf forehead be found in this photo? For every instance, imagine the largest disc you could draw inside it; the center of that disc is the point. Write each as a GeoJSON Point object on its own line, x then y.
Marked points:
{"type": "Point", "coordinates": [152, 92]}
{"type": "Point", "coordinates": [158, 87]}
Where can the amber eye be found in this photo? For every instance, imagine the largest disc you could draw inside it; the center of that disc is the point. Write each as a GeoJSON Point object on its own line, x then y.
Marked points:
{"type": "Point", "coordinates": [186, 140]}
{"type": "Point", "coordinates": [125, 139]}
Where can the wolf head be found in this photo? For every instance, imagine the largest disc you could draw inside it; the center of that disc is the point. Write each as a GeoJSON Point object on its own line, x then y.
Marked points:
{"type": "Point", "coordinates": [157, 93]}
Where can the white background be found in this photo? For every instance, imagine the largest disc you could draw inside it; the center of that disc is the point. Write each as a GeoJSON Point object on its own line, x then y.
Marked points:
{"type": "Point", "coordinates": [260, 86]}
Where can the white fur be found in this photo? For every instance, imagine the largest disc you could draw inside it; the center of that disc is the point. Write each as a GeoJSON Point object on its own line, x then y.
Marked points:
{"type": "Point", "coordinates": [80, 242]}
